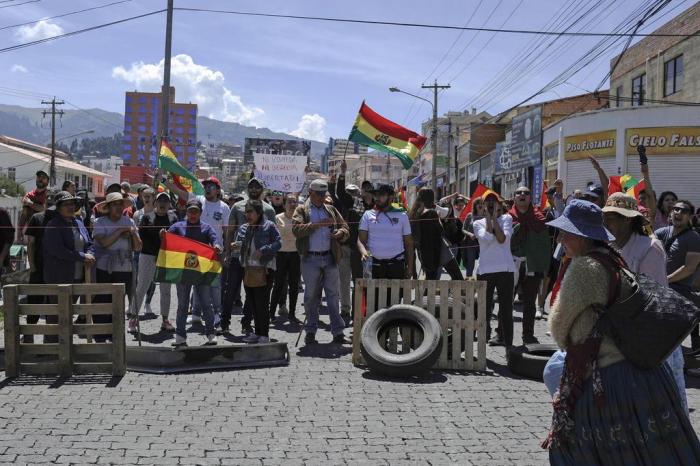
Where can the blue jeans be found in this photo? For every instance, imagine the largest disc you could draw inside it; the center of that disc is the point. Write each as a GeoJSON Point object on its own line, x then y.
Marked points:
{"type": "Point", "coordinates": [204, 296]}
{"type": "Point", "coordinates": [321, 273]}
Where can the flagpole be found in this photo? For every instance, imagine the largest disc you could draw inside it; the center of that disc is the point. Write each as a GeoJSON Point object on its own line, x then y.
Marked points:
{"type": "Point", "coordinates": [165, 91]}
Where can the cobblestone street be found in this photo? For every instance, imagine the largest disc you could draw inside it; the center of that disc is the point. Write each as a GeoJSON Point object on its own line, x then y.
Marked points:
{"type": "Point", "coordinates": [318, 410]}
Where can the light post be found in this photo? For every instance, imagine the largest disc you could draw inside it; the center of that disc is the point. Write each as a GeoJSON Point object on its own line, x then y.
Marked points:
{"type": "Point", "coordinates": [434, 137]}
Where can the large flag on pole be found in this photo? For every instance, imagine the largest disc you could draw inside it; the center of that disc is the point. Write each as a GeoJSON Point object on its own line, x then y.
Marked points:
{"type": "Point", "coordinates": [182, 176]}
{"type": "Point", "coordinates": [183, 260]}
{"type": "Point", "coordinates": [375, 131]}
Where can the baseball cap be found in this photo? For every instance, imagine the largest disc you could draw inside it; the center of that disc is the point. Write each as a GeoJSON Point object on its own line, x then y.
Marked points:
{"type": "Point", "coordinates": [595, 190]}
{"type": "Point", "coordinates": [318, 186]}
{"type": "Point", "coordinates": [194, 203]}
{"type": "Point", "coordinates": [384, 189]}
{"type": "Point", "coordinates": [213, 180]}
{"type": "Point", "coordinates": [42, 173]}
{"type": "Point", "coordinates": [163, 196]}
{"type": "Point", "coordinates": [256, 181]}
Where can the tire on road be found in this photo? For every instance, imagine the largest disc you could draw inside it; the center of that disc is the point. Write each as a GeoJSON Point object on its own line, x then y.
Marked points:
{"type": "Point", "coordinates": [529, 360]}
{"type": "Point", "coordinates": [420, 360]}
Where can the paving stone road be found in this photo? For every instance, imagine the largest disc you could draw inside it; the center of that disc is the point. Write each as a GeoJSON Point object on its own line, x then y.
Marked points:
{"type": "Point", "coordinates": [318, 410]}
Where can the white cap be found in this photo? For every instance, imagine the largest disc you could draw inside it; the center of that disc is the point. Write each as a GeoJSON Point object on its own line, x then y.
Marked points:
{"type": "Point", "coordinates": [319, 186]}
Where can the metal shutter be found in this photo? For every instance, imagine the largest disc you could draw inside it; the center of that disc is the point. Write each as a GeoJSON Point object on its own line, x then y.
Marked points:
{"type": "Point", "coordinates": [580, 172]}
{"type": "Point", "coordinates": [677, 173]}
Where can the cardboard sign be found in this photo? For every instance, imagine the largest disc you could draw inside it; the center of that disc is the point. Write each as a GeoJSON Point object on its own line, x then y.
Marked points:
{"type": "Point", "coordinates": [281, 172]}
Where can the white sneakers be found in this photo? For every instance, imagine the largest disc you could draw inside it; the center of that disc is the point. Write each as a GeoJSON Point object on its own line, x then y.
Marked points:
{"type": "Point", "coordinates": [211, 340]}
{"type": "Point", "coordinates": [179, 341]}
{"type": "Point", "coordinates": [191, 319]}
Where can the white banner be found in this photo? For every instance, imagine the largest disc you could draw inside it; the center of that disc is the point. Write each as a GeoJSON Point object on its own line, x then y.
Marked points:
{"type": "Point", "coordinates": [281, 172]}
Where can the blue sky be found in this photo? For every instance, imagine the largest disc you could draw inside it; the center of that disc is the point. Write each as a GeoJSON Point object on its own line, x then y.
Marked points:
{"type": "Point", "coordinates": [301, 76]}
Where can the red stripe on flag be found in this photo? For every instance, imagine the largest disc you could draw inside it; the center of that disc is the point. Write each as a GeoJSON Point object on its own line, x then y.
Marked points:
{"type": "Point", "coordinates": [390, 128]}
{"type": "Point", "coordinates": [544, 199]}
{"type": "Point", "coordinates": [177, 243]}
{"type": "Point", "coordinates": [614, 185]}
{"type": "Point", "coordinates": [478, 192]}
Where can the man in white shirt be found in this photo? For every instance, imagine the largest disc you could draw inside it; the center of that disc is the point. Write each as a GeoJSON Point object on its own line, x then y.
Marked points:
{"type": "Point", "coordinates": [496, 266]}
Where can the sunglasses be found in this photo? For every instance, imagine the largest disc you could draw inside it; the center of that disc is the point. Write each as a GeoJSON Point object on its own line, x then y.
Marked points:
{"type": "Point", "coordinates": [522, 193]}
{"type": "Point", "coordinates": [681, 210]}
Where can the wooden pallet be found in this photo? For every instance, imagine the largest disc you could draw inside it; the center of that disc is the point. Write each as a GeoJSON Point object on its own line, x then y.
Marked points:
{"type": "Point", "coordinates": [458, 323]}
{"type": "Point", "coordinates": [65, 357]}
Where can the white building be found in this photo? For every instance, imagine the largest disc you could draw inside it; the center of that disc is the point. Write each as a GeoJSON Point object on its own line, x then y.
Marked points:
{"type": "Point", "coordinates": [671, 135]}
{"type": "Point", "coordinates": [20, 160]}
{"type": "Point", "coordinates": [111, 166]}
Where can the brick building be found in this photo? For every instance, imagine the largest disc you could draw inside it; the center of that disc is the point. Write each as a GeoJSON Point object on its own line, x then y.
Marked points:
{"type": "Point", "coordinates": [660, 68]}
{"type": "Point", "coordinates": [142, 128]}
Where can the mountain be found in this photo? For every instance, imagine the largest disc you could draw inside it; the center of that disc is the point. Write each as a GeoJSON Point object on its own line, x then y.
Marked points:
{"type": "Point", "coordinates": [29, 124]}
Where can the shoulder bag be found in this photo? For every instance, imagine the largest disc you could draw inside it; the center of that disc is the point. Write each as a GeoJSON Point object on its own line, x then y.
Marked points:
{"type": "Point", "coordinates": [645, 319]}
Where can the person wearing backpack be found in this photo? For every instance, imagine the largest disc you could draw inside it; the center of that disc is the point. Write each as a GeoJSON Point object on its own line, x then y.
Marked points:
{"type": "Point", "coordinates": [150, 225]}
{"type": "Point", "coordinates": [607, 410]}
{"type": "Point", "coordinates": [680, 240]}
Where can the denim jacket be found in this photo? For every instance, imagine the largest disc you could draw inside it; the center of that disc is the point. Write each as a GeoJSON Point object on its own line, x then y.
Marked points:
{"type": "Point", "coordinates": [267, 240]}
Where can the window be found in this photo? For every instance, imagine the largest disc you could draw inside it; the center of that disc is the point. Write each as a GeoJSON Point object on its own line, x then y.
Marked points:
{"type": "Point", "coordinates": [179, 130]}
{"type": "Point", "coordinates": [142, 128]}
{"type": "Point", "coordinates": [618, 95]}
{"type": "Point", "coordinates": [90, 185]}
{"type": "Point", "coordinates": [673, 75]}
{"type": "Point", "coordinates": [126, 147]}
{"type": "Point", "coordinates": [639, 85]}
{"type": "Point", "coordinates": [142, 99]}
{"type": "Point", "coordinates": [128, 99]}
{"type": "Point", "coordinates": [127, 137]}
{"type": "Point", "coordinates": [142, 109]}
{"type": "Point", "coordinates": [180, 121]}
{"type": "Point", "coordinates": [142, 119]}
{"type": "Point", "coordinates": [127, 118]}
{"type": "Point", "coordinates": [11, 172]}
{"type": "Point", "coordinates": [127, 128]}
{"type": "Point", "coordinates": [83, 180]}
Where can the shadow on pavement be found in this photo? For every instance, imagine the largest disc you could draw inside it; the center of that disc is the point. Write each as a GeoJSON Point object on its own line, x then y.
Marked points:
{"type": "Point", "coordinates": [108, 381]}
{"type": "Point", "coordinates": [430, 377]}
{"type": "Point", "coordinates": [155, 338]}
{"type": "Point", "coordinates": [323, 350]}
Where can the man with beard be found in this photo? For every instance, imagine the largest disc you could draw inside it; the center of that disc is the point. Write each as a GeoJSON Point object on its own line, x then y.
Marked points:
{"type": "Point", "coordinates": [682, 245]}
{"type": "Point", "coordinates": [386, 233]}
{"type": "Point", "coordinates": [530, 245]}
{"type": "Point", "coordinates": [235, 270]}
{"type": "Point", "coordinates": [34, 201]}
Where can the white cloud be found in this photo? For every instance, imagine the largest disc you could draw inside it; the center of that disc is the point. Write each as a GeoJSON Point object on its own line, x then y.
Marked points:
{"type": "Point", "coordinates": [193, 83]}
{"type": "Point", "coordinates": [311, 127]}
{"type": "Point", "coordinates": [39, 30]}
{"type": "Point", "coordinates": [18, 69]}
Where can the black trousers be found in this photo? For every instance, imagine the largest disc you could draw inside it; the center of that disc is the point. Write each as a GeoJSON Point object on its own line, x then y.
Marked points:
{"type": "Point", "coordinates": [452, 268]}
{"type": "Point", "coordinates": [391, 268]}
{"type": "Point", "coordinates": [103, 276]}
{"type": "Point", "coordinates": [503, 281]}
{"type": "Point", "coordinates": [35, 277]}
{"type": "Point", "coordinates": [257, 300]}
{"type": "Point", "coordinates": [529, 286]}
{"type": "Point", "coordinates": [286, 282]}
{"type": "Point", "coordinates": [250, 303]}
{"type": "Point", "coordinates": [231, 290]}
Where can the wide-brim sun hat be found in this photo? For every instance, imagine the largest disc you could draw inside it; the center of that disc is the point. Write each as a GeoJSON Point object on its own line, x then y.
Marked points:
{"type": "Point", "coordinates": [103, 206]}
{"type": "Point", "coordinates": [583, 218]}
{"type": "Point", "coordinates": [620, 203]}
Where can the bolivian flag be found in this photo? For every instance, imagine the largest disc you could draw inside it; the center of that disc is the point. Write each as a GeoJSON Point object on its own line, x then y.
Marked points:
{"type": "Point", "coordinates": [375, 131]}
{"type": "Point", "coordinates": [167, 161]}
{"type": "Point", "coordinates": [183, 260]}
{"type": "Point", "coordinates": [480, 191]}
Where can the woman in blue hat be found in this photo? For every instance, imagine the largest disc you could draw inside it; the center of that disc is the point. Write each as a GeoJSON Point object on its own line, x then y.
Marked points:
{"type": "Point", "coordinates": [606, 411]}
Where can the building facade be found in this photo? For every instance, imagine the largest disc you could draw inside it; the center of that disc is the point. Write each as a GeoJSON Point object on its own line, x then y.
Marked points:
{"type": "Point", "coordinates": [660, 68]}
{"type": "Point", "coordinates": [143, 127]}
{"type": "Point", "coordinates": [377, 168]}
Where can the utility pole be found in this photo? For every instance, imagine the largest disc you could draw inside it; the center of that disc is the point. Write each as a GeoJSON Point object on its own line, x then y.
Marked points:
{"type": "Point", "coordinates": [435, 87]}
{"type": "Point", "coordinates": [165, 94]}
{"type": "Point", "coordinates": [53, 102]}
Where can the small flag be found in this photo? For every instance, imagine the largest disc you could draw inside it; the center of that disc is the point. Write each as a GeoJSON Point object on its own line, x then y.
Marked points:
{"type": "Point", "coordinates": [618, 184]}
{"type": "Point", "coordinates": [182, 176]}
{"type": "Point", "coordinates": [480, 191]}
{"type": "Point", "coordinates": [544, 199]}
{"type": "Point", "coordinates": [373, 130]}
{"type": "Point", "coordinates": [636, 189]}
{"type": "Point", "coordinates": [183, 260]}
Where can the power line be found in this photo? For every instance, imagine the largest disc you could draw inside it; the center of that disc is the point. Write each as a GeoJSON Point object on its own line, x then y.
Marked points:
{"type": "Point", "coordinates": [63, 15]}
{"type": "Point", "coordinates": [79, 31]}
{"type": "Point", "coordinates": [434, 26]}
{"type": "Point", "coordinates": [20, 4]}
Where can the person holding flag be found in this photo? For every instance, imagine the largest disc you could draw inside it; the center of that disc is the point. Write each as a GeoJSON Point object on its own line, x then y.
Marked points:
{"type": "Point", "coordinates": [194, 229]}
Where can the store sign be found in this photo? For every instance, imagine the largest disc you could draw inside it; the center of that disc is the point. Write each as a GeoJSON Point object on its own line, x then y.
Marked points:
{"type": "Point", "coordinates": [526, 142]}
{"type": "Point", "coordinates": [664, 140]}
{"type": "Point", "coordinates": [581, 146]}
{"type": "Point", "coordinates": [551, 155]}
{"type": "Point", "coordinates": [441, 161]}
{"type": "Point", "coordinates": [501, 159]}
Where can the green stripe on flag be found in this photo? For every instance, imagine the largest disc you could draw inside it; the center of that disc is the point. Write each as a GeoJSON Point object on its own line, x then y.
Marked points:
{"type": "Point", "coordinates": [360, 138]}
{"type": "Point", "coordinates": [185, 276]}
{"type": "Point", "coordinates": [174, 167]}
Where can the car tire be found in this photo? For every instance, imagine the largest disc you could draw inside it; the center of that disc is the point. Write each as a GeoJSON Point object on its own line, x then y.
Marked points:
{"type": "Point", "coordinates": [529, 360]}
{"type": "Point", "coordinates": [415, 362]}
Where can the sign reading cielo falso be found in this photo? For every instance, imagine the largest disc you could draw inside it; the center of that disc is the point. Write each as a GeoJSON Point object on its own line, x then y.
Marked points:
{"type": "Point", "coordinates": [666, 140]}
{"type": "Point", "coordinates": [581, 146]}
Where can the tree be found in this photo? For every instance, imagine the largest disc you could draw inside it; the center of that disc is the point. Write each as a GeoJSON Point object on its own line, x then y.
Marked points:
{"type": "Point", "coordinates": [11, 187]}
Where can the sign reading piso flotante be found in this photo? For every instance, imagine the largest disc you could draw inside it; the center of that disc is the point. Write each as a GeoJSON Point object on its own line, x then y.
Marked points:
{"type": "Point", "coordinates": [581, 146]}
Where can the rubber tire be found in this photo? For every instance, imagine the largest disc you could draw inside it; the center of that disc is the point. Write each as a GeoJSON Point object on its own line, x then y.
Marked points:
{"type": "Point", "coordinates": [418, 361]}
{"type": "Point", "coordinates": [529, 360]}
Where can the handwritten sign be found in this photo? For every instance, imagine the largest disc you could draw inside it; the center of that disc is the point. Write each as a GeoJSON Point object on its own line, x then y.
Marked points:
{"type": "Point", "coordinates": [281, 172]}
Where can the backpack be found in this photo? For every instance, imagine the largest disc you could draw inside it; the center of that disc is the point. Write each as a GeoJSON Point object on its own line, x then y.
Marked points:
{"type": "Point", "coordinates": [645, 319]}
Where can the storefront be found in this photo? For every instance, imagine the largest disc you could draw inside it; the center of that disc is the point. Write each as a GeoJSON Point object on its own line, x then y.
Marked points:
{"type": "Point", "coordinates": [671, 135]}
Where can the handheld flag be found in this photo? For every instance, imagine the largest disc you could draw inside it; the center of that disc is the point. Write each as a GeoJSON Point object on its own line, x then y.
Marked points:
{"type": "Point", "coordinates": [373, 130]}
{"type": "Point", "coordinates": [544, 199]}
{"type": "Point", "coordinates": [618, 184]}
{"type": "Point", "coordinates": [635, 190]}
{"type": "Point", "coordinates": [182, 176]}
{"type": "Point", "coordinates": [183, 260]}
{"type": "Point", "coordinates": [480, 191]}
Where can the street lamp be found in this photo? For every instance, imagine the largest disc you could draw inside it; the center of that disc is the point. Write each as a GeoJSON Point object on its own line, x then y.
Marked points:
{"type": "Point", "coordinates": [89, 131]}
{"type": "Point", "coordinates": [433, 105]}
